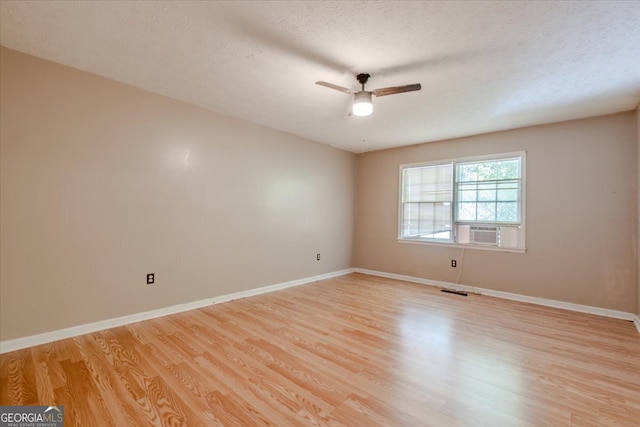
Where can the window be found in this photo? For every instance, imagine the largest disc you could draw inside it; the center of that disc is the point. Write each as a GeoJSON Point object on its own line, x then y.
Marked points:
{"type": "Point", "coordinates": [475, 201]}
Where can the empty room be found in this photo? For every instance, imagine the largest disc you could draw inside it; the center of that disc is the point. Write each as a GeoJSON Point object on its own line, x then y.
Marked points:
{"type": "Point", "coordinates": [319, 213]}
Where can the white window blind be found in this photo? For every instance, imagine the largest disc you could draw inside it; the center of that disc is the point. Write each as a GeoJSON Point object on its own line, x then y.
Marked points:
{"type": "Point", "coordinates": [426, 202]}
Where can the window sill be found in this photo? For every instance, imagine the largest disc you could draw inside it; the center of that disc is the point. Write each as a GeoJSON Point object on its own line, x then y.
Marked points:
{"type": "Point", "coordinates": [466, 246]}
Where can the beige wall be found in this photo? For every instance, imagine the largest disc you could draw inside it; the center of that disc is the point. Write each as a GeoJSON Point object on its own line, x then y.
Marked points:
{"type": "Point", "coordinates": [102, 183]}
{"type": "Point", "coordinates": [580, 210]}
{"type": "Point", "coordinates": [637, 250]}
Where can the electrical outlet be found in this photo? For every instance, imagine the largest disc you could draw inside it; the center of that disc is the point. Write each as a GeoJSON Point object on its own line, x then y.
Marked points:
{"type": "Point", "coordinates": [317, 257]}
{"type": "Point", "coordinates": [151, 278]}
{"type": "Point", "coordinates": [454, 263]}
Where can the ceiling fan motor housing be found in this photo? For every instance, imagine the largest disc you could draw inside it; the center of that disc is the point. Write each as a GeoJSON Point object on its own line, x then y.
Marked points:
{"type": "Point", "coordinates": [363, 78]}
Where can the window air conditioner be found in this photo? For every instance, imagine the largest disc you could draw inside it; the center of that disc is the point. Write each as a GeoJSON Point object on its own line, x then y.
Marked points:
{"type": "Point", "coordinates": [483, 235]}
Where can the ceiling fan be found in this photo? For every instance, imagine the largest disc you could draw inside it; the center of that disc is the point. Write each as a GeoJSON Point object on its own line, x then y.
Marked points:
{"type": "Point", "coordinates": [362, 105]}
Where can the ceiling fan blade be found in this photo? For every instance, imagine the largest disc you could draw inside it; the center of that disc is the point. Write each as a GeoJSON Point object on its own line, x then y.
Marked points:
{"type": "Point", "coordinates": [336, 87]}
{"type": "Point", "coordinates": [396, 89]}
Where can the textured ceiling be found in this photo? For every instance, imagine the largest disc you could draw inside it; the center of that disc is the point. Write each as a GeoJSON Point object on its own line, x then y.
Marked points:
{"type": "Point", "coordinates": [483, 65]}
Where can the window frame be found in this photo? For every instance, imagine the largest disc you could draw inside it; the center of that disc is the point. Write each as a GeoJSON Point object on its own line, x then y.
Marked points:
{"type": "Point", "coordinates": [453, 241]}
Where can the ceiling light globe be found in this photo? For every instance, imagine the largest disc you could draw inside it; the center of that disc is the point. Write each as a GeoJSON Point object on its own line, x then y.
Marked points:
{"type": "Point", "coordinates": [362, 105]}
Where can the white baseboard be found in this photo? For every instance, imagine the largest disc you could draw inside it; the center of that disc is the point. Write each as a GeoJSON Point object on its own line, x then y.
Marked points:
{"type": "Point", "coordinates": [47, 337]}
{"type": "Point", "coordinates": [510, 296]}
{"type": "Point", "coordinates": [636, 321]}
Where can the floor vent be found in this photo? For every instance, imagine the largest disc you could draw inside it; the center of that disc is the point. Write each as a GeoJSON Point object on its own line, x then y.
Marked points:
{"type": "Point", "coordinates": [451, 291]}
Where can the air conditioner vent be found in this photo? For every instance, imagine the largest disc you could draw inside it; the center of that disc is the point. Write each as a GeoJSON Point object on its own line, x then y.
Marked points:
{"type": "Point", "coordinates": [484, 235]}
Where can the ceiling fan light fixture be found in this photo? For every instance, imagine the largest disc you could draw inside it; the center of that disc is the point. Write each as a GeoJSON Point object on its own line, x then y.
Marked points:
{"type": "Point", "coordinates": [362, 105]}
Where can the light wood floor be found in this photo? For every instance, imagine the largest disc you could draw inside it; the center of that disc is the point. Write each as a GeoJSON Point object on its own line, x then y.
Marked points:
{"type": "Point", "coordinates": [355, 351]}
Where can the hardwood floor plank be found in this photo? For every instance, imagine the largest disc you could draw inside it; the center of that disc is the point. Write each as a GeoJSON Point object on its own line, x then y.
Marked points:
{"type": "Point", "coordinates": [285, 396]}
{"type": "Point", "coordinates": [21, 384]}
{"type": "Point", "coordinates": [44, 384]}
{"type": "Point", "coordinates": [232, 385]}
{"type": "Point", "coordinates": [76, 394]}
{"type": "Point", "coordinates": [354, 350]}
